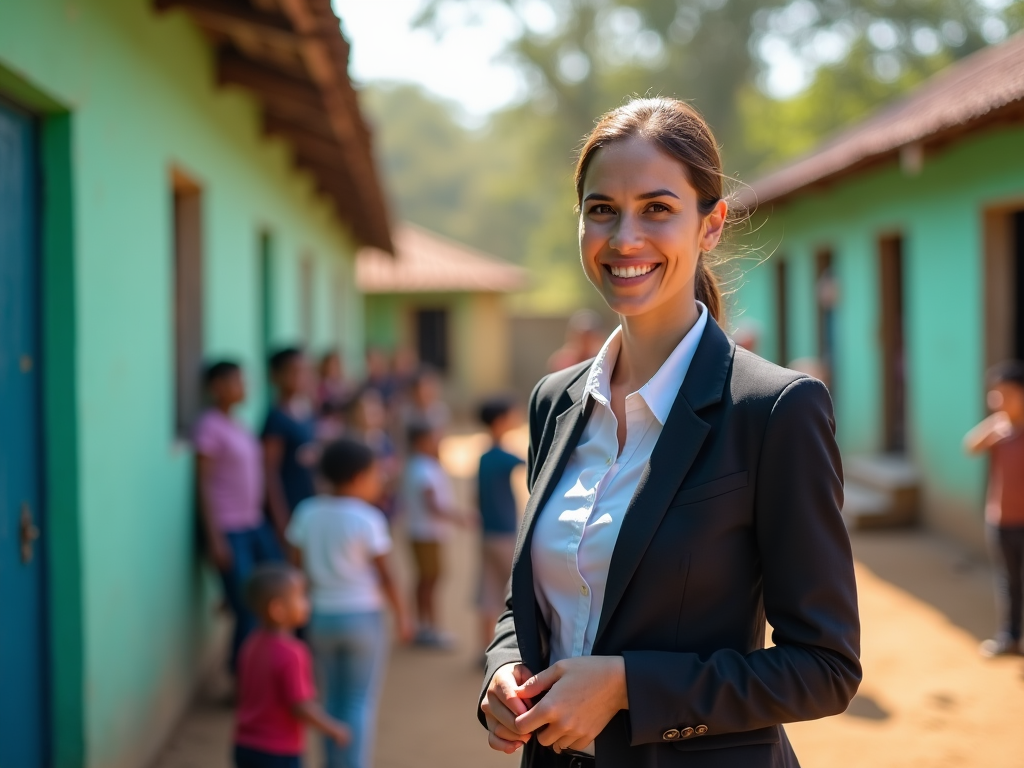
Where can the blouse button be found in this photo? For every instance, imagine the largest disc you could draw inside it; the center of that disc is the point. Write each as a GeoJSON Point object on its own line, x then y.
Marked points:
{"type": "Point", "coordinates": [584, 590]}
{"type": "Point", "coordinates": [609, 461]}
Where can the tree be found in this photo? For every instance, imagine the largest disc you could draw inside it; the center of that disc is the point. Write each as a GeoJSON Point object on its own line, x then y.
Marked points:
{"type": "Point", "coordinates": [507, 189]}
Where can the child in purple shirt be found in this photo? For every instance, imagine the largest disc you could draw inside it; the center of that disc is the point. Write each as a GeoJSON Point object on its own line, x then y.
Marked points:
{"type": "Point", "coordinates": [230, 492]}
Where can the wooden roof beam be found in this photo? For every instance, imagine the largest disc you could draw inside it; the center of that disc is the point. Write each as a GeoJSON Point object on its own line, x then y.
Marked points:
{"type": "Point", "coordinates": [270, 83]}
{"type": "Point", "coordinates": [279, 124]}
{"type": "Point", "coordinates": [233, 19]}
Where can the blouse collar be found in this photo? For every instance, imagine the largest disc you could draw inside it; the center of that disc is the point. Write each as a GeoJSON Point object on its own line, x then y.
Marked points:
{"type": "Point", "coordinates": [660, 392]}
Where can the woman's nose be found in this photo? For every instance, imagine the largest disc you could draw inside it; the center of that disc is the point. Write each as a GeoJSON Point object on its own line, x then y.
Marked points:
{"type": "Point", "coordinates": [627, 236]}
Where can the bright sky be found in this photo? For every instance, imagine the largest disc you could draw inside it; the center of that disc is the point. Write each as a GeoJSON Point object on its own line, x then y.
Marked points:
{"type": "Point", "coordinates": [463, 66]}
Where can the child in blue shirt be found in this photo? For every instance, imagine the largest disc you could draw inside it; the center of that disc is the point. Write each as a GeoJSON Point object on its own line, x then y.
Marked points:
{"type": "Point", "coordinates": [499, 520]}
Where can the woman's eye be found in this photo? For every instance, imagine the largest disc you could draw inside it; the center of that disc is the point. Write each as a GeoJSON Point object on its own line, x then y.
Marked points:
{"type": "Point", "coordinates": [657, 208]}
{"type": "Point", "coordinates": [601, 209]}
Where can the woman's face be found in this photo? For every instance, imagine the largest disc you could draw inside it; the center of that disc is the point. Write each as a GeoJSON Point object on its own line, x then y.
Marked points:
{"type": "Point", "coordinates": [640, 230]}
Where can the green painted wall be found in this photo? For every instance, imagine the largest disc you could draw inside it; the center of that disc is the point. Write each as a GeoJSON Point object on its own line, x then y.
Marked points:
{"type": "Point", "coordinates": [940, 215]}
{"type": "Point", "coordinates": [133, 614]}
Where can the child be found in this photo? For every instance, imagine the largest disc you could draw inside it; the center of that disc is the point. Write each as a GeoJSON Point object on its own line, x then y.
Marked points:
{"type": "Point", "coordinates": [498, 519]}
{"type": "Point", "coordinates": [229, 485]}
{"type": "Point", "coordinates": [342, 541]}
{"type": "Point", "coordinates": [425, 405]}
{"type": "Point", "coordinates": [366, 421]}
{"type": "Point", "coordinates": [276, 696]}
{"type": "Point", "coordinates": [334, 390]}
{"type": "Point", "coordinates": [428, 503]}
{"type": "Point", "coordinates": [1002, 435]}
{"type": "Point", "coordinates": [289, 437]}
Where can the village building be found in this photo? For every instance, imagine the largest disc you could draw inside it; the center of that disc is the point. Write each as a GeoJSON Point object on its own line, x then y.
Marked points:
{"type": "Point", "coordinates": [891, 259]}
{"type": "Point", "coordinates": [179, 181]}
{"type": "Point", "coordinates": [444, 302]}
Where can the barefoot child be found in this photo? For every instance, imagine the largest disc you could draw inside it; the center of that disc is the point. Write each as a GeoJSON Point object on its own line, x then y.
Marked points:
{"type": "Point", "coordinates": [498, 519]}
{"type": "Point", "coordinates": [1002, 435]}
{"type": "Point", "coordinates": [276, 696]}
{"type": "Point", "coordinates": [428, 503]}
{"type": "Point", "coordinates": [342, 541]}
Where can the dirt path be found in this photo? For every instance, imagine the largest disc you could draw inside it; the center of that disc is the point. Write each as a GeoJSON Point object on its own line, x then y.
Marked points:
{"type": "Point", "coordinates": [928, 700]}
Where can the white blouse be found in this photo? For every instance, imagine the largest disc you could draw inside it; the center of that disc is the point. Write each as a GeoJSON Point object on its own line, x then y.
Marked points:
{"type": "Point", "coordinates": [576, 531]}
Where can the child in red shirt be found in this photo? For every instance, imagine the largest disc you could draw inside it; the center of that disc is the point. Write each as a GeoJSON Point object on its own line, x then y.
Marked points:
{"type": "Point", "coordinates": [276, 695]}
{"type": "Point", "coordinates": [1002, 436]}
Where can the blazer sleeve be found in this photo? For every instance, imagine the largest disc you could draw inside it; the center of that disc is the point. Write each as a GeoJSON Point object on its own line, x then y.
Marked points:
{"type": "Point", "coordinates": [504, 648]}
{"type": "Point", "coordinates": [810, 598]}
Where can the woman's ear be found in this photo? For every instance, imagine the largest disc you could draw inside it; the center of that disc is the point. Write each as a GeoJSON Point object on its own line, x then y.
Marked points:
{"type": "Point", "coordinates": [714, 226]}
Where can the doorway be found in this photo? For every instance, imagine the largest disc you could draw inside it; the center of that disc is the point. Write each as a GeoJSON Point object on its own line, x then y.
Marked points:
{"type": "Point", "coordinates": [22, 597]}
{"type": "Point", "coordinates": [432, 338]}
{"type": "Point", "coordinates": [1004, 284]}
{"type": "Point", "coordinates": [781, 314]}
{"type": "Point", "coordinates": [826, 295]}
{"type": "Point", "coordinates": [893, 344]}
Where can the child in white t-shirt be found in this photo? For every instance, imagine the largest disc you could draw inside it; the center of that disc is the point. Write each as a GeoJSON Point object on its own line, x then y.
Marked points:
{"type": "Point", "coordinates": [342, 542]}
{"type": "Point", "coordinates": [428, 502]}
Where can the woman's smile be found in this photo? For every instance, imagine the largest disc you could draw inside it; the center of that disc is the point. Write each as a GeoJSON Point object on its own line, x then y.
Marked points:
{"type": "Point", "coordinates": [630, 274]}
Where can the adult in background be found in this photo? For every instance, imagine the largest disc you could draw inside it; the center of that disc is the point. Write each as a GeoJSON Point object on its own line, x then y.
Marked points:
{"type": "Point", "coordinates": [229, 485]}
{"type": "Point", "coordinates": [583, 339]}
{"type": "Point", "coordinates": [290, 451]}
{"type": "Point", "coordinates": [683, 491]}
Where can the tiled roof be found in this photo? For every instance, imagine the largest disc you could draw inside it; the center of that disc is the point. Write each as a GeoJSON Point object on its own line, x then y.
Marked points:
{"type": "Point", "coordinates": [425, 262]}
{"type": "Point", "coordinates": [982, 88]}
{"type": "Point", "coordinates": [292, 56]}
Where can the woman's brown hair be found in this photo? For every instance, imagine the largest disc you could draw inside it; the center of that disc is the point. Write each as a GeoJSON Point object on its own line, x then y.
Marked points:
{"type": "Point", "coordinates": [679, 131]}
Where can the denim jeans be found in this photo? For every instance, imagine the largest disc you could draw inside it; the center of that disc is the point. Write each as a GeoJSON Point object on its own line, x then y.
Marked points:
{"type": "Point", "coordinates": [1008, 551]}
{"type": "Point", "coordinates": [248, 549]}
{"type": "Point", "coordinates": [349, 653]}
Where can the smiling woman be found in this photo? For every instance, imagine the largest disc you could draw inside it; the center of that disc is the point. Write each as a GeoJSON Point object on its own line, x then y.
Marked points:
{"type": "Point", "coordinates": [682, 490]}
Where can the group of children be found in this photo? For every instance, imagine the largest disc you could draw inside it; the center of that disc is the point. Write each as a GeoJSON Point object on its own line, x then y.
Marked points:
{"type": "Point", "coordinates": [309, 506]}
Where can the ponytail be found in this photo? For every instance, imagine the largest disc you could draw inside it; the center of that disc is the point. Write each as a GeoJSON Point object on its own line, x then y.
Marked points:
{"type": "Point", "coordinates": [706, 290]}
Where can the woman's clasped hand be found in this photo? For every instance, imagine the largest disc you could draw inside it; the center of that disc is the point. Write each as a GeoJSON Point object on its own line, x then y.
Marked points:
{"type": "Point", "coordinates": [565, 707]}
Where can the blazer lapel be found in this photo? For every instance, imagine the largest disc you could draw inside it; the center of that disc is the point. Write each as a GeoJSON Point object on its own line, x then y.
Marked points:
{"type": "Point", "coordinates": [678, 445]}
{"type": "Point", "coordinates": [568, 429]}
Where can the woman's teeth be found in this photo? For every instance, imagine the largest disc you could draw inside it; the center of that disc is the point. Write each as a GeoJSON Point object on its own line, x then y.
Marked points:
{"type": "Point", "coordinates": [631, 271]}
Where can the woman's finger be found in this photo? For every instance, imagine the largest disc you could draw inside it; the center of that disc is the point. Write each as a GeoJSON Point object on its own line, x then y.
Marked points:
{"type": "Point", "coordinates": [503, 745]}
{"type": "Point", "coordinates": [495, 708]}
{"type": "Point", "coordinates": [504, 688]}
{"type": "Point", "coordinates": [507, 734]}
{"type": "Point", "coordinates": [539, 683]}
{"type": "Point", "coordinates": [541, 716]}
{"type": "Point", "coordinates": [521, 673]}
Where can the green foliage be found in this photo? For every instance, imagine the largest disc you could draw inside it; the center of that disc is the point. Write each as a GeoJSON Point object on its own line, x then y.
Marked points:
{"type": "Point", "coordinates": [776, 130]}
{"type": "Point", "coordinates": [506, 188]}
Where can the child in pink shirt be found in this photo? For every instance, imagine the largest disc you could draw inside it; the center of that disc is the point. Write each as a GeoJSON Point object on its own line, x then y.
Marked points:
{"type": "Point", "coordinates": [229, 480]}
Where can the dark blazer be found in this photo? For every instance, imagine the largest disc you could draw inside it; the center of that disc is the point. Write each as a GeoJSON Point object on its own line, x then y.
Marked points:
{"type": "Point", "coordinates": [736, 519]}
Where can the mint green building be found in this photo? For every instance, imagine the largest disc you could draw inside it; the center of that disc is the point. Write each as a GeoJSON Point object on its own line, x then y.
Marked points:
{"type": "Point", "coordinates": [176, 184]}
{"type": "Point", "coordinates": [891, 260]}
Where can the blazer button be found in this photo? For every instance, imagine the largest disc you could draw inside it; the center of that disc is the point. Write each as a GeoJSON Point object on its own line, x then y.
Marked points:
{"type": "Point", "coordinates": [670, 735]}
{"type": "Point", "coordinates": [700, 730]}
{"type": "Point", "coordinates": [686, 733]}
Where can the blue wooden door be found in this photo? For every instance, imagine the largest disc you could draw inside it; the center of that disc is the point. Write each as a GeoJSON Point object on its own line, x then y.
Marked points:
{"type": "Point", "coordinates": [22, 647]}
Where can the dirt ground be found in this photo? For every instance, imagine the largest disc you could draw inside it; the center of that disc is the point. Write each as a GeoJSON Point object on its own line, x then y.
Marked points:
{"type": "Point", "coordinates": [928, 700]}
